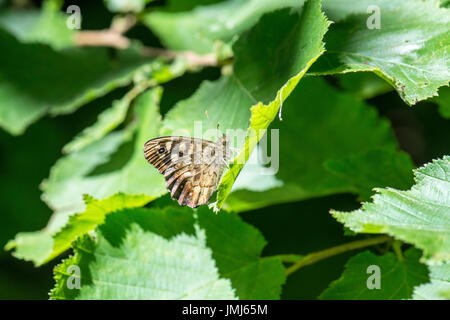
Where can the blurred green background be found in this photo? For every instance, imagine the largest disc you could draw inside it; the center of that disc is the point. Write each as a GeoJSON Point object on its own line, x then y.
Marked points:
{"type": "Point", "coordinates": [301, 227]}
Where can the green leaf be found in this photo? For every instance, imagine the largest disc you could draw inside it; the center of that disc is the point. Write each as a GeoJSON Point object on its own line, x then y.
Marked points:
{"type": "Point", "coordinates": [107, 121]}
{"type": "Point", "coordinates": [439, 286]}
{"type": "Point", "coordinates": [171, 253]}
{"type": "Point", "coordinates": [73, 174]}
{"type": "Point", "coordinates": [297, 43]}
{"type": "Point", "coordinates": [224, 101]}
{"type": "Point", "coordinates": [364, 85]}
{"type": "Point", "coordinates": [339, 10]}
{"type": "Point", "coordinates": [66, 269]}
{"type": "Point", "coordinates": [443, 100]}
{"type": "Point", "coordinates": [237, 248]}
{"type": "Point", "coordinates": [292, 48]}
{"type": "Point", "coordinates": [397, 277]}
{"type": "Point", "coordinates": [420, 216]}
{"type": "Point", "coordinates": [111, 118]}
{"type": "Point", "coordinates": [414, 62]}
{"type": "Point", "coordinates": [126, 5]}
{"type": "Point", "coordinates": [363, 171]}
{"type": "Point", "coordinates": [185, 5]}
{"type": "Point", "coordinates": [330, 142]}
{"type": "Point", "coordinates": [199, 29]}
{"type": "Point", "coordinates": [31, 246]}
{"type": "Point", "coordinates": [35, 80]}
{"type": "Point", "coordinates": [42, 246]}
{"type": "Point", "coordinates": [46, 26]}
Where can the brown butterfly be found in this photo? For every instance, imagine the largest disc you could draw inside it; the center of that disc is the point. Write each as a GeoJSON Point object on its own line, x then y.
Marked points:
{"type": "Point", "coordinates": [191, 167]}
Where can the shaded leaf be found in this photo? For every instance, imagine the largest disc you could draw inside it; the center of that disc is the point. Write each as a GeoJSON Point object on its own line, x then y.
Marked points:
{"type": "Point", "coordinates": [46, 26]}
{"type": "Point", "coordinates": [157, 72]}
{"type": "Point", "coordinates": [397, 277]}
{"type": "Point", "coordinates": [35, 80]}
{"type": "Point", "coordinates": [364, 85]}
{"type": "Point", "coordinates": [329, 142]}
{"type": "Point", "coordinates": [185, 5]}
{"type": "Point", "coordinates": [199, 29]}
{"type": "Point", "coordinates": [236, 248]}
{"type": "Point", "coordinates": [443, 101]}
{"type": "Point", "coordinates": [363, 171]}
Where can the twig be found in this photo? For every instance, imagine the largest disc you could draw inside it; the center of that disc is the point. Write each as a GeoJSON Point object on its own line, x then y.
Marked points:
{"type": "Point", "coordinates": [397, 247]}
{"type": "Point", "coordinates": [123, 24]}
{"type": "Point", "coordinates": [102, 38]}
{"type": "Point", "coordinates": [193, 59]}
{"type": "Point", "coordinates": [320, 255]}
{"type": "Point", "coordinates": [114, 38]}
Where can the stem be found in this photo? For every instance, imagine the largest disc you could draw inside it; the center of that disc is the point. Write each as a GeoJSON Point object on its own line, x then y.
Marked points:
{"type": "Point", "coordinates": [289, 258]}
{"type": "Point", "coordinates": [114, 38]}
{"type": "Point", "coordinates": [193, 59]}
{"type": "Point", "coordinates": [320, 255]}
{"type": "Point", "coordinates": [102, 38]}
{"type": "Point", "coordinates": [397, 247]}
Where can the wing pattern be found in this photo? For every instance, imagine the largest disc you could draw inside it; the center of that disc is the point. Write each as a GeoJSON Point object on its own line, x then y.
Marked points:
{"type": "Point", "coordinates": [191, 167]}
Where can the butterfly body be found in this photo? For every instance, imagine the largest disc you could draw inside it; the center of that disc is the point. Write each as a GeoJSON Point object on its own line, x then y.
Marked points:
{"type": "Point", "coordinates": [191, 167]}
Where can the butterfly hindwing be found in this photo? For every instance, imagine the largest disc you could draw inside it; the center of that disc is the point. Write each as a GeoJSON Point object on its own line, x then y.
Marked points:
{"type": "Point", "coordinates": [191, 167]}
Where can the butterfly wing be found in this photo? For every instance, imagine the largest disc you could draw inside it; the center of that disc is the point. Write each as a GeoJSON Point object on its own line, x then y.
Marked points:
{"type": "Point", "coordinates": [191, 167]}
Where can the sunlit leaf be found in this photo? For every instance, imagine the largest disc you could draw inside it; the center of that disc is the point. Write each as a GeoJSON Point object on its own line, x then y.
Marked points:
{"type": "Point", "coordinates": [414, 62]}
{"type": "Point", "coordinates": [42, 246]}
{"type": "Point", "coordinates": [420, 216]}
{"type": "Point", "coordinates": [291, 60]}
{"type": "Point", "coordinates": [169, 253]}
{"type": "Point", "coordinates": [439, 286]}
{"type": "Point", "coordinates": [73, 176]}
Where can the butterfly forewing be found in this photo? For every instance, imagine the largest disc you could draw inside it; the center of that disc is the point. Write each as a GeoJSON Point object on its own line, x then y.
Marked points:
{"type": "Point", "coordinates": [191, 167]}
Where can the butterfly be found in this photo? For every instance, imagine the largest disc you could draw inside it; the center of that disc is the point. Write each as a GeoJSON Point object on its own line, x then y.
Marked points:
{"type": "Point", "coordinates": [191, 167]}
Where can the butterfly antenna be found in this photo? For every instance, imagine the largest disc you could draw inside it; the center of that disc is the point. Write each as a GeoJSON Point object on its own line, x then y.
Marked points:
{"type": "Point", "coordinates": [218, 131]}
{"type": "Point", "coordinates": [226, 163]}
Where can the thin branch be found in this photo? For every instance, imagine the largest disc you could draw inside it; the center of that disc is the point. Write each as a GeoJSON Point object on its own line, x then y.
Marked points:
{"type": "Point", "coordinates": [123, 24]}
{"type": "Point", "coordinates": [289, 258]}
{"type": "Point", "coordinates": [320, 255]}
{"type": "Point", "coordinates": [114, 38]}
{"type": "Point", "coordinates": [397, 247]}
{"type": "Point", "coordinates": [102, 38]}
{"type": "Point", "coordinates": [193, 59]}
